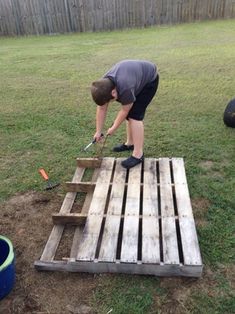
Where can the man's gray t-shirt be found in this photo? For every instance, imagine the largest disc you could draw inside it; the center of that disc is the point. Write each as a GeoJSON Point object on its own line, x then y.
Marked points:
{"type": "Point", "coordinates": [129, 77]}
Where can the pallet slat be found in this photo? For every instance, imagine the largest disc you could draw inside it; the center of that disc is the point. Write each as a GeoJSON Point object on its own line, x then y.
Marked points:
{"type": "Point", "coordinates": [191, 251]}
{"type": "Point", "coordinates": [150, 222]}
{"type": "Point", "coordinates": [89, 162]}
{"type": "Point", "coordinates": [129, 249]}
{"type": "Point", "coordinates": [80, 186]}
{"type": "Point", "coordinates": [184, 207]}
{"type": "Point", "coordinates": [73, 219]}
{"type": "Point", "coordinates": [108, 248]}
{"type": "Point", "coordinates": [140, 269]}
{"type": "Point", "coordinates": [87, 248]}
{"type": "Point", "coordinates": [170, 245]}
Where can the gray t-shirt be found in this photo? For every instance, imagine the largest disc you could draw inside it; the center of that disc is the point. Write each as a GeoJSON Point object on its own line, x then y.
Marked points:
{"type": "Point", "coordinates": [129, 77]}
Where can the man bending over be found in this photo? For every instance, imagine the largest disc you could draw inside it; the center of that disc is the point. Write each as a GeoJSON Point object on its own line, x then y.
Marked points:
{"type": "Point", "coordinates": [133, 83]}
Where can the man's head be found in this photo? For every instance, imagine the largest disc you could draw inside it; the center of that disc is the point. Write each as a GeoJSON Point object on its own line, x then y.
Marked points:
{"type": "Point", "coordinates": [103, 91]}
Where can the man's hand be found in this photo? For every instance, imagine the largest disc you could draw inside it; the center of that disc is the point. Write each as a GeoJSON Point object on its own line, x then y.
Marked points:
{"type": "Point", "coordinates": [111, 131]}
{"type": "Point", "coordinates": [98, 136]}
{"type": "Point", "coordinates": [121, 116]}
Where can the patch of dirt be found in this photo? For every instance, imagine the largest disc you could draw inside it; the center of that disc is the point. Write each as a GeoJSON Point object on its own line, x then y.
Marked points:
{"type": "Point", "coordinates": [26, 221]}
{"type": "Point", "coordinates": [206, 164]}
{"type": "Point", "coordinates": [180, 290]}
{"type": "Point", "coordinates": [228, 273]}
{"type": "Point", "coordinates": [200, 208]}
{"type": "Point", "coordinates": [212, 169]}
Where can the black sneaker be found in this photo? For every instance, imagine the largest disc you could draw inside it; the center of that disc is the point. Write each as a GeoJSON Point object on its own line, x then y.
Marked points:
{"type": "Point", "coordinates": [122, 148]}
{"type": "Point", "coordinates": [132, 162]}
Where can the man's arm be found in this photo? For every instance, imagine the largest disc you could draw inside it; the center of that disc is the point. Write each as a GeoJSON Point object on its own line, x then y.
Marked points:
{"type": "Point", "coordinates": [121, 116]}
{"type": "Point", "coordinates": [101, 112]}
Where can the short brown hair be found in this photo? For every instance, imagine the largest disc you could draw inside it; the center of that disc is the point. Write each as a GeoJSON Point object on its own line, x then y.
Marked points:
{"type": "Point", "coordinates": [101, 91]}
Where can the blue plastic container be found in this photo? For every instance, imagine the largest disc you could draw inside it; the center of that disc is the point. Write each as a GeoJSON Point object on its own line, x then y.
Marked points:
{"type": "Point", "coordinates": [7, 266]}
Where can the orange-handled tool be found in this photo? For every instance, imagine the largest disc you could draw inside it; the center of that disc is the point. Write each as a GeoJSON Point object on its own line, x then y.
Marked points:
{"type": "Point", "coordinates": [45, 176]}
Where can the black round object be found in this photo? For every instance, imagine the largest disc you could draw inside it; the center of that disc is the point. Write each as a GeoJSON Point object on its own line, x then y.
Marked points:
{"type": "Point", "coordinates": [229, 114]}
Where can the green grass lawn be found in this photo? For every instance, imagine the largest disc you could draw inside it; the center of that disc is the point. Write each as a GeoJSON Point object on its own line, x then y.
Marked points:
{"type": "Point", "coordinates": [47, 117]}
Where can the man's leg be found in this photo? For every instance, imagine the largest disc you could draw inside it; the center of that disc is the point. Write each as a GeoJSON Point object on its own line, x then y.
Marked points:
{"type": "Point", "coordinates": [137, 132]}
{"type": "Point", "coordinates": [129, 138]}
{"type": "Point", "coordinates": [136, 128]}
{"type": "Point", "coordinates": [128, 145]}
{"type": "Point", "coordinates": [136, 125]}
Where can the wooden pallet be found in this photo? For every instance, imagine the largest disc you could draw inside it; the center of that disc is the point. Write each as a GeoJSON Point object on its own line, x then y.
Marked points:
{"type": "Point", "coordinates": [136, 221]}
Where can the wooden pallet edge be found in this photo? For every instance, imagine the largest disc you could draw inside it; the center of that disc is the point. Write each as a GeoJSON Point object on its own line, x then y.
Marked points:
{"type": "Point", "coordinates": [104, 267]}
{"type": "Point", "coordinates": [89, 162]}
{"type": "Point", "coordinates": [72, 218]}
{"type": "Point", "coordinates": [79, 186]}
{"type": "Point", "coordinates": [55, 236]}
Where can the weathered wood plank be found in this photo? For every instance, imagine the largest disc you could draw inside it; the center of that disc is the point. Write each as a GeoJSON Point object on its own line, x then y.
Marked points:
{"type": "Point", "coordinates": [80, 186]}
{"type": "Point", "coordinates": [191, 251]}
{"type": "Point", "coordinates": [92, 228]}
{"type": "Point", "coordinates": [169, 236]}
{"type": "Point", "coordinates": [72, 219]}
{"type": "Point", "coordinates": [57, 231]}
{"type": "Point", "coordinates": [89, 162]}
{"type": "Point", "coordinates": [129, 248]}
{"type": "Point", "coordinates": [109, 243]}
{"type": "Point", "coordinates": [190, 245]}
{"type": "Point", "coordinates": [150, 223]}
{"type": "Point", "coordinates": [52, 243]}
{"type": "Point", "coordinates": [102, 267]}
{"type": "Point", "coordinates": [184, 207]}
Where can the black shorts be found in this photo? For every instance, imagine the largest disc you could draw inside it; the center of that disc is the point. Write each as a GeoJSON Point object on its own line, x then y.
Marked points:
{"type": "Point", "coordinates": [143, 99]}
